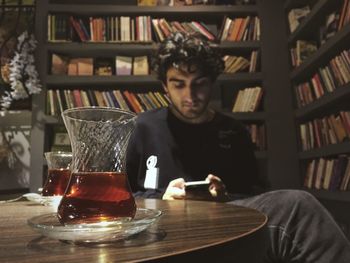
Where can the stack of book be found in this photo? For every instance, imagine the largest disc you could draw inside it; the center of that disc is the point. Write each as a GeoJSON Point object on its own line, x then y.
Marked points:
{"type": "Point", "coordinates": [59, 100]}
{"type": "Point", "coordinates": [247, 100]}
{"type": "Point", "coordinates": [302, 51]}
{"type": "Point", "coordinates": [120, 65]}
{"type": "Point", "coordinates": [331, 129]}
{"type": "Point", "coordinates": [240, 29]}
{"type": "Point", "coordinates": [125, 65]}
{"type": "Point", "coordinates": [234, 64]}
{"type": "Point", "coordinates": [163, 28]}
{"type": "Point", "coordinates": [296, 15]}
{"type": "Point", "coordinates": [328, 173]}
{"type": "Point", "coordinates": [328, 78]}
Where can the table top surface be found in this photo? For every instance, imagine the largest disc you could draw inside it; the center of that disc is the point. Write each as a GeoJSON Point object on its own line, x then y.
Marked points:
{"type": "Point", "coordinates": [184, 226]}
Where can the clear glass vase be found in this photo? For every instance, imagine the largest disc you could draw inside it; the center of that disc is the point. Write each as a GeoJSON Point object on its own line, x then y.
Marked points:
{"type": "Point", "coordinates": [98, 189]}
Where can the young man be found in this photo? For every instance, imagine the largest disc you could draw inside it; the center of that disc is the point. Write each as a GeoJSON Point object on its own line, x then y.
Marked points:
{"type": "Point", "coordinates": [188, 141]}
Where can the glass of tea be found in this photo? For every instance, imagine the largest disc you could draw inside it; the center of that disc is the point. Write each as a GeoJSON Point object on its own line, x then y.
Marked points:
{"type": "Point", "coordinates": [98, 189]}
{"type": "Point", "coordinates": [58, 173]}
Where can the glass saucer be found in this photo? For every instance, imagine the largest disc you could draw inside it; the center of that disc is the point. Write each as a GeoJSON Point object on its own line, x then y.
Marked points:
{"type": "Point", "coordinates": [48, 225]}
{"type": "Point", "coordinates": [44, 200]}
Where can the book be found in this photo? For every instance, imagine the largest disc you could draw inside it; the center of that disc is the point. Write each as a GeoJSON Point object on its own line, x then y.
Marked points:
{"type": "Point", "coordinates": [78, 102]}
{"type": "Point", "coordinates": [80, 66]}
{"type": "Point", "coordinates": [121, 101]}
{"type": "Point", "coordinates": [59, 64]}
{"type": "Point", "coordinates": [296, 15]}
{"type": "Point", "coordinates": [103, 67]}
{"type": "Point", "coordinates": [304, 49]}
{"type": "Point", "coordinates": [320, 173]}
{"type": "Point", "coordinates": [140, 66]}
{"type": "Point", "coordinates": [339, 171]}
{"type": "Point", "coordinates": [331, 26]}
{"type": "Point", "coordinates": [309, 177]}
{"type": "Point", "coordinates": [134, 105]}
{"type": "Point", "coordinates": [123, 65]}
{"type": "Point", "coordinates": [99, 98]}
{"type": "Point", "coordinates": [85, 66]}
{"type": "Point", "coordinates": [155, 2]}
{"type": "Point", "coordinates": [85, 99]}
{"type": "Point", "coordinates": [328, 173]}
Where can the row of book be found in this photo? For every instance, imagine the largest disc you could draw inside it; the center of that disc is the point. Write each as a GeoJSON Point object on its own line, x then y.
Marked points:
{"type": "Point", "coordinates": [302, 50]}
{"type": "Point", "coordinates": [124, 65]}
{"type": "Point", "coordinates": [240, 29]}
{"type": "Point", "coordinates": [238, 63]}
{"type": "Point", "coordinates": [328, 78]}
{"type": "Point", "coordinates": [120, 65]}
{"type": "Point", "coordinates": [257, 135]}
{"type": "Point", "coordinates": [164, 28]}
{"type": "Point", "coordinates": [63, 27]}
{"type": "Point", "coordinates": [59, 100]}
{"type": "Point", "coordinates": [333, 22]}
{"type": "Point", "coordinates": [248, 100]}
{"type": "Point", "coordinates": [328, 173]}
{"type": "Point", "coordinates": [331, 129]}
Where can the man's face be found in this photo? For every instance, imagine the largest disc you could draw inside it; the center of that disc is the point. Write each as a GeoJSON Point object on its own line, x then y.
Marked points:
{"type": "Point", "coordinates": [189, 93]}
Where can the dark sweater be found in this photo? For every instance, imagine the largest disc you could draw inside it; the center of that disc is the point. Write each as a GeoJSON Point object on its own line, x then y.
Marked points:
{"type": "Point", "coordinates": [192, 151]}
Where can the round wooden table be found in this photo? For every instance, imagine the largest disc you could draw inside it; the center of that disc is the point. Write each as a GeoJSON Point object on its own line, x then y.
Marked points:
{"type": "Point", "coordinates": [187, 230]}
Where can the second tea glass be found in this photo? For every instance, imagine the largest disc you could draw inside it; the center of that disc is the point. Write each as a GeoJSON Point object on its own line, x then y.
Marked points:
{"type": "Point", "coordinates": [58, 173]}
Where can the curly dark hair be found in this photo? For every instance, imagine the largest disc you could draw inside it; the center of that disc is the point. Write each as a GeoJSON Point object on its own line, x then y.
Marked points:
{"type": "Point", "coordinates": [191, 50]}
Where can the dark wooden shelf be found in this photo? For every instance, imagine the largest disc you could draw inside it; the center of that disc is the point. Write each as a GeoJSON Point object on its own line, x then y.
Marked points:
{"type": "Point", "coordinates": [241, 77]}
{"type": "Point", "coordinates": [332, 149]}
{"type": "Point", "coordinates": [140, 81]}
{"type": "Point", "coordinates": [330, 195]}
{"type": "Point", "coordinates": [246, 116]}
{"type": "Point", "coordinates": [146, 80]}
{"type": "Point", "coordinates": [108, 47]}
{"type": "Point", "coordinates": [191, 11]}
{"type": "Point", "coordinates": [16, 118]}
{"type": "Point", "coordinates": [311, 21]}
{"type": "Point", "coordinates": [325, 53]}
{"type": "Point", "coordinates": [320, 105]}
{"type": "Point", "coordinates": [240, 45]}
{"type": "Point", "coordinates": [112, 48]}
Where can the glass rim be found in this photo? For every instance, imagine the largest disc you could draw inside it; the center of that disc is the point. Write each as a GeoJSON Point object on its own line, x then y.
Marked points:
{"type": "Point", "coordinates": [65, 113]}
{"type": "Point", "coordinates": [60, 153]}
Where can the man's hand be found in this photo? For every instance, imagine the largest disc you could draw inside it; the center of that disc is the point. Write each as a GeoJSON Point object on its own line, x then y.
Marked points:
{"type": "Point", "coordinates": [175, 190]}
{"type": "Point", "coordinates": [217, 188]}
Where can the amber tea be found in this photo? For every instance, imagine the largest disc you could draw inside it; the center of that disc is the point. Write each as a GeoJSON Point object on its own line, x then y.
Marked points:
{"type": "Point", "coordinates": [56, 182]}
{"type": "Point", "coordinates": [97, 196]}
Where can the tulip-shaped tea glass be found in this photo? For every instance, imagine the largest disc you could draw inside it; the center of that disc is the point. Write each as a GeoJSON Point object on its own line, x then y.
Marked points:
{"type": "Point", "coordinates": [98, 189]}
{"type": "Point", "coordinates": [58, 173]}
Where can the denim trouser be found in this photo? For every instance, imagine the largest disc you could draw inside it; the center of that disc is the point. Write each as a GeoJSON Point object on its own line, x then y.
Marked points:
{"type": "Point", "coordinates": [300, 228]}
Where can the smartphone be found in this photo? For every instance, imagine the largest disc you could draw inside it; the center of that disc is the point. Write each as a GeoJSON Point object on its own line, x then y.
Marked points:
{"type": "Point", "coordinates": [198, 190]}
{"type": "Point", "coordinates": [197, 186]}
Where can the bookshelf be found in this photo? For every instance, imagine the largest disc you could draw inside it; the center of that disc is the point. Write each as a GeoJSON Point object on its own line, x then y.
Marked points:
{"type": "Point", "coordinates": [276, 111]}
{"type": "Point", "coordinates": [330, 103]}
